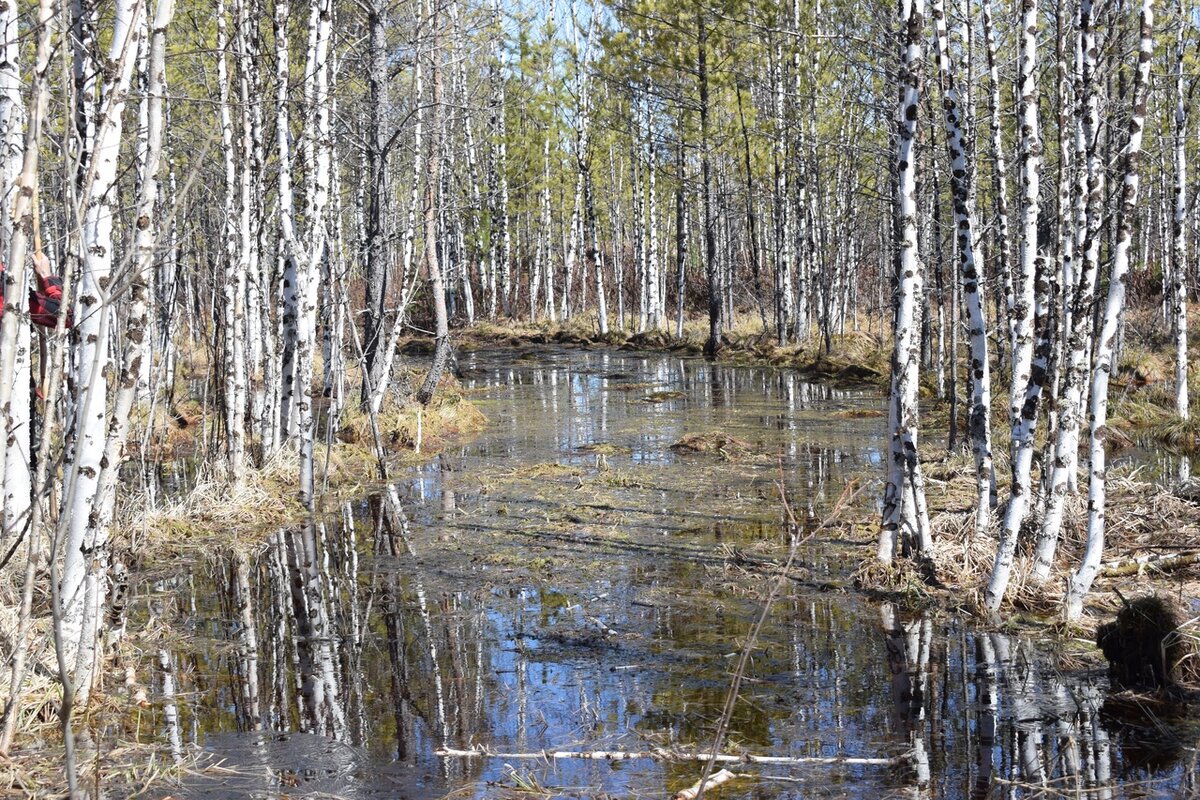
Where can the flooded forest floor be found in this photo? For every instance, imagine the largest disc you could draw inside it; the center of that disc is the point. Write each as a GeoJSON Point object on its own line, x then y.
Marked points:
{"type": "Point", "coordinates": [586, 574]}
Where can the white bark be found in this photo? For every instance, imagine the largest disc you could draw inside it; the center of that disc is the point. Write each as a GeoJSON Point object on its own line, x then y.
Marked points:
{"type": "Point", "coordinates": [1081, 580]}
{"type": "Point", "coordinates": [1028, 308]}
{"type": "Point", "coordinates": [1089, 193]}
{"type": "Point", "coordinates": [288, 247]}
{"type": "Point", "coordinates": [551, 309]}
{"type": "Point", "coordinates": [965, 225]}
{"type": "Point", "coordinates": [999, 174]}
{"type": "Point", "coordinates": [318, 150]}
{"type": "Point", "coordinates": [408, 275]}
{"type": "Point", "coordinates": [237, 240]}
{"type": "Point", "coordinates": [84, 573]}
{"type": "Point", "coordinates": [137, 323]}
{"type": "Point", "coordinates": [23, 224]}
{"type": "Point", "coordinates": [655, 316]}
{"type": "Point", "coordinates": [1179, 258]}
{"type": "Point", "coordinates": [904, 513]}
{"type": "Point", "coordinates": [15, 338]}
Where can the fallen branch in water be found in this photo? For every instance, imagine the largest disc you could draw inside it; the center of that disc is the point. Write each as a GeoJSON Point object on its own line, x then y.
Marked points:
{"type": "Point", "coordinates": [691, 793]}
{"type": "Point", "coordinates": [662, 754]}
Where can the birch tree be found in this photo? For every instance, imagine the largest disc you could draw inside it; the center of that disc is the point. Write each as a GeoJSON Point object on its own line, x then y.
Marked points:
{"type": "Point", "coordinates": [318, 146]}
{"type": "Point", "coordinates": [905, 519]}
{"type": "Point", "coordinates": [961, 174]}
{"type": "Point", "coordinates": [1179, 254]}
{"type": "Point", "coordinates": [433, 161]}
{"type": "Point", "coordinates": [15, 339]}
{"type": "Point", "coordinates": [1089, 187]}
{"type": "Point", "coordinates": [1028, 310]}
{"type": "Point", "coordinates": [84, 572]}
{"type": "Point", "coordinates": [1081, 579]}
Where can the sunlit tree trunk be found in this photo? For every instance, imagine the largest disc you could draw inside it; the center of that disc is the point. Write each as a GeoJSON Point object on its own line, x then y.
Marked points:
{"type": "Point", "coordinates": [905, 519]}
{"type": "Point", "coordinates": [376, 246]}
{"type": "Point", "coordinates": [596, 254]}
{"type": "Point", "coordinates": [1029, 309]}
{"type": "Point", "coordinates": [145, 246]}
{"type": "Point", "coordinates": [288, 246]}
{"type": "Point", "coordinates": [979, 423]}
{"type": "Point", "coordinates": [236, 210]}
{"type": "Point", "coordinates": [83, 580]}
{"type": "Point", "coordinates": [654, 315]}
{"type": "Point", "coordinates": [1179, 258]}
{"type": "Point", "coordinates": [318, 150]}
{"type": "Point", "coordinates": [408, 275]}
{"type": "Point", "coordinates": [546, 232]}
{"type": "Point", "coordinates": [22, 228]}
{"type": "Point", "coordinates": [784, 238]}
{"type": "Point", "coordinates": [681, 230]}
{"type": "Point", "coordinates": [712, 269]}
{"type": "Point", "coordinates": [1081, 579]}
{"type": "Point", "coordinates": [501, 219]}
{"type": "Point", "coordinates": [433, 161]}
{"type": "Point", "coordinates": [1089, 191]}
{"type": "Point", "coordinates": [999, 178]}
{"type": "Point", "coordinates": [15, 335]}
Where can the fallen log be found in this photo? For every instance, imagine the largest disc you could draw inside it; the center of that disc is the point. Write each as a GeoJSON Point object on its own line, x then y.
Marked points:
{"type": "Point", "coordinates": [1156, 561]}
{"type": "Point", "coordinates": [675, 756]}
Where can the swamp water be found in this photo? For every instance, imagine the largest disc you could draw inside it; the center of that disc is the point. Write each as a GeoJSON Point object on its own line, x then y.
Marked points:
{"type": "Point", "coordinates": [569, 581]}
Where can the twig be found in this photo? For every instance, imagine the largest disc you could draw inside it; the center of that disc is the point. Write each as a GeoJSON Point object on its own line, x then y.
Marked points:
{"type": "Point", "coordinates": [739, 671]}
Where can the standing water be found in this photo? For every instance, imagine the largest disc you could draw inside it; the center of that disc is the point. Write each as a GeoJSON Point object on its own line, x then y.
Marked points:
{"type": "Point", "coordinates": [573, 580]}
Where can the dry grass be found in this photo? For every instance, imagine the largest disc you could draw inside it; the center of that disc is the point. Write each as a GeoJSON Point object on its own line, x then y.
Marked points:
{"type": "Point", "coordinates": [1142, 520]}
{"type": "Point", "coordinates": [219, 510]}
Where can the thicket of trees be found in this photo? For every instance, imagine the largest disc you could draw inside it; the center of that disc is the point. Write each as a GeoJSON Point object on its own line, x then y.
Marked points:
{"type": "Point", "coordinates": [282, 190]}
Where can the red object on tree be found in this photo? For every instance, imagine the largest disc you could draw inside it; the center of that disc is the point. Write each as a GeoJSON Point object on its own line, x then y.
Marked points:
{"type": "Point", "coordinates": [44, 301]}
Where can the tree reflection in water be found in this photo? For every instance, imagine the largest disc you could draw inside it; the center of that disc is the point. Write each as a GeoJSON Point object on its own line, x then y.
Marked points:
{"type": "Point", "coordinates": [491, 600]}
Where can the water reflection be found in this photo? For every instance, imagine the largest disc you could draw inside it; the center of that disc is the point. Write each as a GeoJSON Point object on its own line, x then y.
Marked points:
{"type": "Point", "coordinates": [518, 594]}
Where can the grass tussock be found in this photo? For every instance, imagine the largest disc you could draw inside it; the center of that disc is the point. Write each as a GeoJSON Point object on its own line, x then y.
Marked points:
{"type": "Point", "coordinates": [720, 444]}
{"type": "Point", "coordinates": [221, 508]}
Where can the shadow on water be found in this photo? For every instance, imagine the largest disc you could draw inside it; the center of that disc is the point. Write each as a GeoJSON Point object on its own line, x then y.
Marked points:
{"type": "Point", "coordinates": [569, 581]}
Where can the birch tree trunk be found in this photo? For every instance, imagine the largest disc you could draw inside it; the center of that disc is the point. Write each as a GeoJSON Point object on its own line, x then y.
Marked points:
{"type": "Point", "coordinates": [1179, 258]}
{"type": "Point", "coordinates": [15, 336]}
{"type": "Point", "coordinates": [408, 274]}
{"type": "Point", "coordinates": [979, 419]}
{"type": "Point", "coordinates": [905, 519]}
{"type": "Point", "coordinates": [999, 176]}
{"type": "Point", "coordinates": [22, 228]}
{"type": "Point", "coordinates": [236, 245]}
{"type": "Point", "coordinates": [433, 161]}
{"type": "Point", "coordinates": [1028, 307]}
{"type": "Point", "coordinates": [318, 147]}
{"type": "Point", "coordinates": [85, 565]}
{"type": "Point", "coordinates": [376, 242]}
{"type": "Point", "coordinates": [288, 246]}
{"type": "Point", "coordinates": [1081, 579]}
{"type": "Point", "coordinates": [137, 308]}
{"type": "Point", "coordinates": [1089, 187]}
{"type": "Point", "coordinates": [712, 269]}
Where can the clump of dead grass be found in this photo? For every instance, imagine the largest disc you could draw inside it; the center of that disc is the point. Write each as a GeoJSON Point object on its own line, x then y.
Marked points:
{"type": "Point", "coordinates": [715, 443]}
{"type": "Point", "coordinates": [1144, 520]}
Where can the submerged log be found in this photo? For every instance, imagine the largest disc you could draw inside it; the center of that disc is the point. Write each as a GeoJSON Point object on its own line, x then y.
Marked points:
{"type": "Point", "coordinates": [1151, 645]}
{"type": "Point", "coordinates": [676, 756]}
{"type": "Point", "coordinates": [715, 780]}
